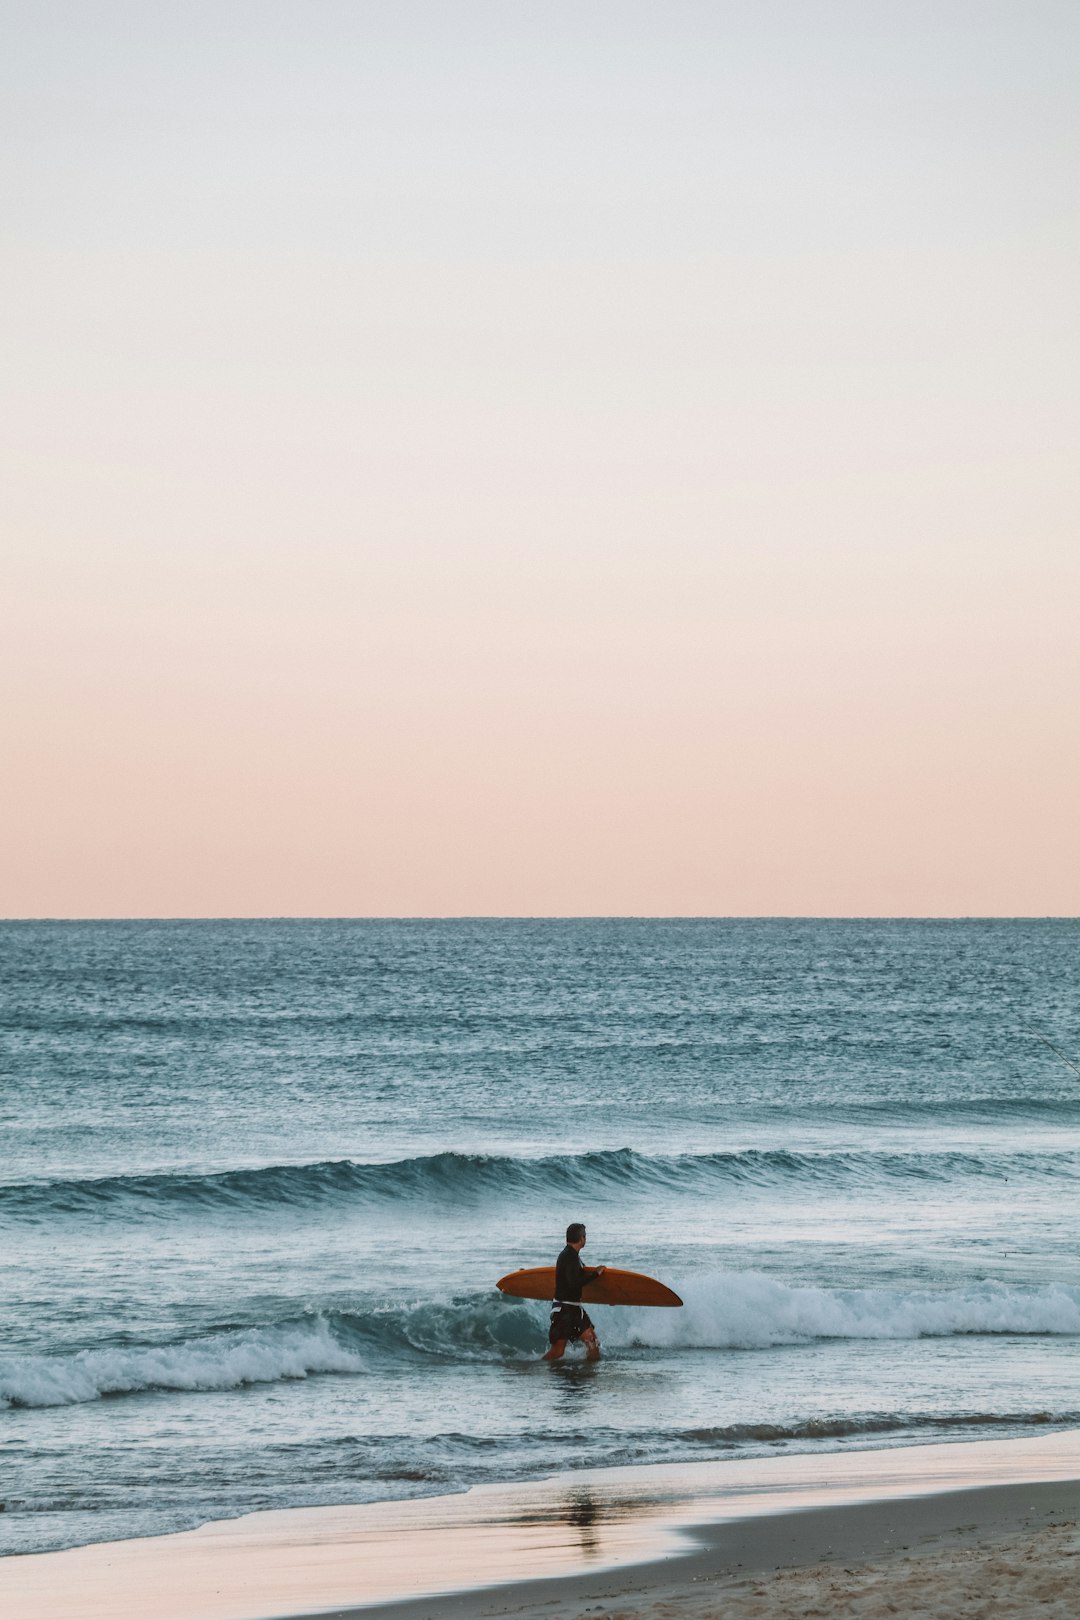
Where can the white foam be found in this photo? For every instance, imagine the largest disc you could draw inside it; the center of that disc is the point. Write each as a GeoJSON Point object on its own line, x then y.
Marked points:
{"type": "Point", "coordinates": [224, 1361]}
{"type": "Point", "coordinates": [747, 1310]}
{"type": "Point", "coordinates": [725, 1310]}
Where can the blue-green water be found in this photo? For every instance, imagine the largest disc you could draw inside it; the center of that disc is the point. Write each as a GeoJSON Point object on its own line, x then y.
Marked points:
{"type": "Point", "coordinates": [258, 1179]}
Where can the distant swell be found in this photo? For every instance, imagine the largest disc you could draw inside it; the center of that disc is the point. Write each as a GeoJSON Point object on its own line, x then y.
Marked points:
{"type": "Point", "coordinates": [463, 1177]}
{"type": "Point", "coordinates": [724, 1311]}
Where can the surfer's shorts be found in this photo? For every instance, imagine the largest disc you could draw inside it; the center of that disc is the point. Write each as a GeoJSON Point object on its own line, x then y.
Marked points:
{"type": "Point", "coordinates": [568, 1322]}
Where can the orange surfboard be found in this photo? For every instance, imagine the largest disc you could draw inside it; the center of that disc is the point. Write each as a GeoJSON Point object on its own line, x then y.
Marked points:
{"type": "Point", "coordinates": [613, 1288]}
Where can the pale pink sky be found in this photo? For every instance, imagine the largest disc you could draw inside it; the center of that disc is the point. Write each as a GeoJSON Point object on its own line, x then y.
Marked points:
{"type": "Point", "coordinates": [540, 459]}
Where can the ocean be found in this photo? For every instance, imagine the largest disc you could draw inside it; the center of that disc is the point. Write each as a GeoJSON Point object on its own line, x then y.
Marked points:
{"type": "Point", "coordinates": [258, 1179]}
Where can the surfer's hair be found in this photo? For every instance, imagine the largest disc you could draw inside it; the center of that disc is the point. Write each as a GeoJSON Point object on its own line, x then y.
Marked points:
{"type": "Point", "coordinates": [575, 1232]}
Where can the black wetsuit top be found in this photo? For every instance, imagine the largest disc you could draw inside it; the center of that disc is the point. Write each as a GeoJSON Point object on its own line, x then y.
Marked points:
{"type": "Point", "coordinates": [571, 1276]}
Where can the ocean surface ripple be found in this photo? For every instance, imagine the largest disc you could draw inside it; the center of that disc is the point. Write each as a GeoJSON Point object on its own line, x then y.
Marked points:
{"type": "Point", "coordinates": [259, 1180]}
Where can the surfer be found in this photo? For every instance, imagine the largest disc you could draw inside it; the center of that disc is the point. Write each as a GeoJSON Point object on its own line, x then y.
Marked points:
{"type": "Point", "coordinates": [569, 1318]}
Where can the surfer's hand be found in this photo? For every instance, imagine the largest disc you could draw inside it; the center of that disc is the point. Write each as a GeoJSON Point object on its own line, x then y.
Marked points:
{"type": "Point", "coordinates": [600, 1270]}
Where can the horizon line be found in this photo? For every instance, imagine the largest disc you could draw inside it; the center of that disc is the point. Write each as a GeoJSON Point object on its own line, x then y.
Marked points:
{"type": "Point", "coordinates": [613, 916]}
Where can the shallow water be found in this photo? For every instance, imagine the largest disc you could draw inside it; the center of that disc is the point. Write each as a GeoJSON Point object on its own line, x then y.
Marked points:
{"type": "Point", "coordinates": [258, 1180]}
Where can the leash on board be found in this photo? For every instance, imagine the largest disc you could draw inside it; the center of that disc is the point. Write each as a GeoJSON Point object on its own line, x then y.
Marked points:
{"type": "Point", "coordinates": [1048, 1042]}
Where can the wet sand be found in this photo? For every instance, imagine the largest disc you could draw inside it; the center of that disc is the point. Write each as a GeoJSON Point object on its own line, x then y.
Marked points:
{"type": "Point", "coordinates": [910, 1530]}
{"type": "Point", "coordinates": [996, 1553]}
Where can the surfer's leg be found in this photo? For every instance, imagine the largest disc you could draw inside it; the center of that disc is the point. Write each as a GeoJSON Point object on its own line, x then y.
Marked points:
{"type": "Point", "coordinates": [591, 1343]}
{"type": "Point", "coordinates": [563, 1326]}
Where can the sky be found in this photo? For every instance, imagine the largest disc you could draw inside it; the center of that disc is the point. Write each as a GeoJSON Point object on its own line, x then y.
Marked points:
{"type": "Point", "coordinates": [487, 457]}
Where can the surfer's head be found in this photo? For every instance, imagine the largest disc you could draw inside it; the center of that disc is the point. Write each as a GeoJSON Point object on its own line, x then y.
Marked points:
{"type": "Point", "coordinates": [575, 1234]}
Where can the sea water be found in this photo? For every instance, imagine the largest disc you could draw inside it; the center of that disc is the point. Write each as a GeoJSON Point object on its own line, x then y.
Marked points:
{"type": "Point", "coordinates": [258, 1179]}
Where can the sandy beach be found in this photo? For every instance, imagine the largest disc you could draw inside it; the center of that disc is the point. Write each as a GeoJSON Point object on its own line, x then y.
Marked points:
{"type": "Point", "coordinates": [940, 1530]}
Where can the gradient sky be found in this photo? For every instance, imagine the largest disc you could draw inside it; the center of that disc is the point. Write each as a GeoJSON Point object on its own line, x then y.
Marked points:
{"type": "Point", "coordinates": [540, 458]}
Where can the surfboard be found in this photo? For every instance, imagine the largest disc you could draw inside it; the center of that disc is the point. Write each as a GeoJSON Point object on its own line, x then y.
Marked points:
{"type": "Point", "coordinates": [613, 1288]}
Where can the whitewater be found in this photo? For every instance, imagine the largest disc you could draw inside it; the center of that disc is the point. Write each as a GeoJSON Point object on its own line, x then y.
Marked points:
{"type": "Point", "coordinates": [258, 1180]}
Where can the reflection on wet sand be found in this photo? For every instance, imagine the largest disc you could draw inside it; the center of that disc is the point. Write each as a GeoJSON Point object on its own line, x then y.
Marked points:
{"type": "Point", "coordinates": [589, 1512]}
{"type": "Point", "coordinates": [582, 1511]}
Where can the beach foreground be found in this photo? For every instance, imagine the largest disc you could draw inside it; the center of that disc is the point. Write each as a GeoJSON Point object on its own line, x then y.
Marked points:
{"type": "Point", "coordinates": [910, 1530]}
{"type": "Point", "coordinates": [1001, 1551]}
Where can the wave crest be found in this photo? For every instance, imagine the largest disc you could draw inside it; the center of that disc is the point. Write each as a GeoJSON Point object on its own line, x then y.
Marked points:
{"type": "Point", "coordinates": [463, 1178]}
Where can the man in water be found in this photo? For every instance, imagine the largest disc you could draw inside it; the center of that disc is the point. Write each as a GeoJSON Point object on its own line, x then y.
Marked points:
{"type": "Point", "coordinates": [569, 1319]}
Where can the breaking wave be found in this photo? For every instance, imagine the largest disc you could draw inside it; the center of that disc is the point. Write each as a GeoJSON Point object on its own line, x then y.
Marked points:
{"type": "Point", "coordinates": [227, 1360]}
{"type": "Point", "coordinates": [750, 1311]}
{"type": "Point", "coordinates": [724, 1311]}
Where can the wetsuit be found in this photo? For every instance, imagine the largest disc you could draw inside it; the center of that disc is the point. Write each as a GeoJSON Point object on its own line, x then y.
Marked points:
{"type": "Point", "coordinates": [569, 1319]}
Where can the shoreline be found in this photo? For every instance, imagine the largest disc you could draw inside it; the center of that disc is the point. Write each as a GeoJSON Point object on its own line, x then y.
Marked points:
{"type": "Point", "coordinates": [763, 1566]}
{"type": "Point", "coordinates": [658, 1533]}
